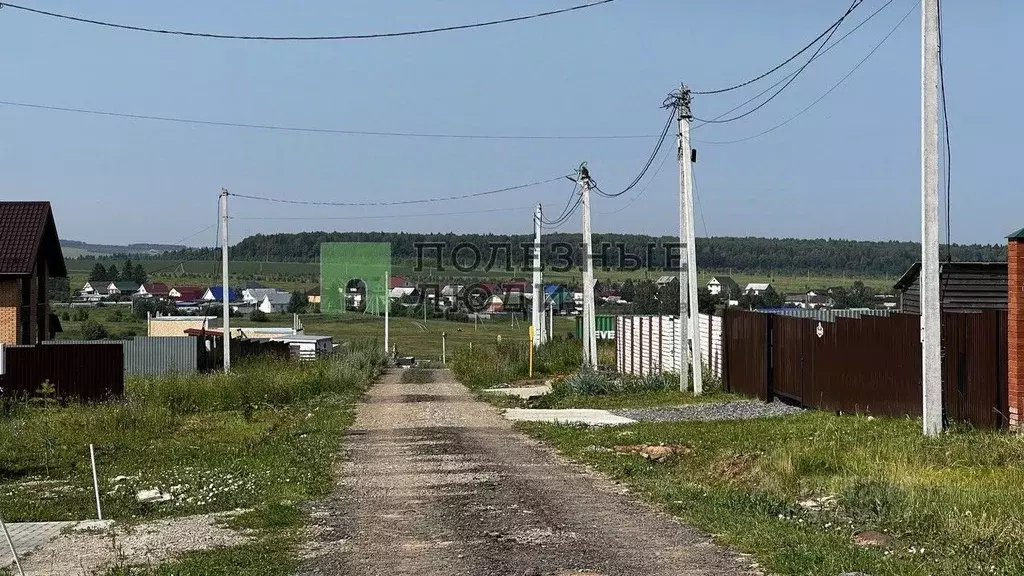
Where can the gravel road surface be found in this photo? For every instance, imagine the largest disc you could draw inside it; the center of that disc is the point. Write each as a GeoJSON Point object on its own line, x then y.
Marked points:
{"type": "Point", "coordinates": [740, 410]}
{"type": "Point", "coordinates": [435, 483]}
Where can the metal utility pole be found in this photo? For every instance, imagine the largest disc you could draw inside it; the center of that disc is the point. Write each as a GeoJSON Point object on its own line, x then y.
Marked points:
{"type": "Point", "coordinates": [225, 299]}
{"type": "Point", "coordinates": [589, 335]}
{"type": "Point", "coordinates": [538, 288]}
{"type": "Point", "coordinates": [931, 327]}
{"type": "Point", "coordinates": [681, 101]}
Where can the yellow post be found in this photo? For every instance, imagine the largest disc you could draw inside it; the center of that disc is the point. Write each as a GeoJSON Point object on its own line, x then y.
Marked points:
{"type": "Point", "coordinates": [531, 351]}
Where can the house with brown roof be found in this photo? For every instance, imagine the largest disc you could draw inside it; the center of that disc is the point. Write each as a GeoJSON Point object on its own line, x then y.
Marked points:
{"type": "Point", "coordinates": [30, 254]}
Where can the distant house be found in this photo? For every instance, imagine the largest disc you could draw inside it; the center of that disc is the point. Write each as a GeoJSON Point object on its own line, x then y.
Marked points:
{"type": "Point", "coordinates": [495, 303]}
{"type": "Point", "coordinates": [559, 298]}
{"type": "Point", "coordinates": [665, 280]}
{"type": "Point", "coordinates": [255, 296]}
{"type": "Point", "coordinates": [186, 293]}
{"type": "Point", "coordinates": [30, 254]}
{"type": "Point", "coordinates": [756, 288]}
{"type": "Point", "coordinates": [723, 286]}
{"type": "Point", "coordinates": [153, 290]}
{"type": "Point", "coordinates": [313, 296]}
{"type": "Point", "coordinates": [95, 287]}
{"type": "Point", "coordinates": [399, 282]}
{"type": "Point", "coordinates": [274, 301]}
{"type": "Point", "coordinates": [122, 287]}
{"type": "Point", "coordinates": [403, 292]}
{"type": "Point", "coordinates": [451, 293]}
{"type": "Point", "coordinates": [963, 287]}
{"type": "Point", "coordinates": [216, 294]}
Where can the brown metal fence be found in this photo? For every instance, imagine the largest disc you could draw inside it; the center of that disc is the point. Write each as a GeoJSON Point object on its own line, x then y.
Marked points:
{"type": "Point", "coordinates": [81, 371]}
{"type": "Point", "coordinates": [869, 364]}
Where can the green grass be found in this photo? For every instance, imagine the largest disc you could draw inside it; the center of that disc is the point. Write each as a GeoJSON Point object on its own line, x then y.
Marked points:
{"type": "Point", "coordinates": [949, 503]}
{"type": "Point", "coordinates": [263, 438]}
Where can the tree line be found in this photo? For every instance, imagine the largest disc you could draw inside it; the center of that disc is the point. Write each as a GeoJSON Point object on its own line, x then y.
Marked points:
{"type": "Point", "coordinates": [129, 273]}
{"type": "Point", "coordinates": [786, 256]}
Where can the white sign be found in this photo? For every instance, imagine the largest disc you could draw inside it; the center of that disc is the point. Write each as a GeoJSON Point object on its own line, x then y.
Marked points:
{"type": "Point", "coordinates": [820, 330]}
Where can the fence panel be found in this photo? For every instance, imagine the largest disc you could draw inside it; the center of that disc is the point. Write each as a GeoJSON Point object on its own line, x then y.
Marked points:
{"type": "Point", "coordinates": [746, 353]}
{"type": "Point", "coordinates": [974, 377]}
{"type": "Point", "coordinates": [84, 371]}
{"type": "Point", "coordinates": [146, 355]}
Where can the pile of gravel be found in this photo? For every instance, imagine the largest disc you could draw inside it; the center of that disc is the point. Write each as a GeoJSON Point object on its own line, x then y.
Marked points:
{"type": "Point", "coordinates": [741, 410]}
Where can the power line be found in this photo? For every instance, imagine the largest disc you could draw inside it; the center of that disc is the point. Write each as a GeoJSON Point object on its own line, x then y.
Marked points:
{"type": "Point", "coordinates": [696, 194]}
{"type": "Point", "coordinates": [827, 92]}
{"type": "Point", "coordinates": [945, 128]}
{"type": "Point", "coordinates": [790, 81]}
{"type": "Point", "coordinates": [565, 211]}
{"type": "Point", "coordinates": [308, 129]}
{"type": "Point", "coordinates": [381, 216]}
{"type": "Point", "coordinates": [793, 73]}
{"type": "Point", "coordinates": [396, 202]}
{"type": "Point", "coordinates": [650, 159]}
{"type": "Point", "coordinates": [419, 32]}
{"type": "Point", "coordinates": [664, 158]}
{"type": "Point", "coordinates": [777, 68]}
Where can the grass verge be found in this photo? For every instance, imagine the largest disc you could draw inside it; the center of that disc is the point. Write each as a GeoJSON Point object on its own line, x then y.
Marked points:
{"type": "Point", "coordinates": [261, 438]}
{"type": "Point", "coordinates": [794, 491]}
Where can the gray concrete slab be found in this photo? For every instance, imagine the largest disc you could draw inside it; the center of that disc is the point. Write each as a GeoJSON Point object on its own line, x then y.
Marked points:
{"type": "Point", "coordinates": [29, 536]}
{"type": "Point", "coordinates": [523, 392]}
{"type": "Point", "coordinates": [566, 416]}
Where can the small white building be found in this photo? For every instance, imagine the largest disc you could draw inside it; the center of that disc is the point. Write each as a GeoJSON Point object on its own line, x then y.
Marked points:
{"type": "Point", "coordinates": [275, 301]}
{"type": "Point", "coordinates": [308, 346]}
{"type": "Point", "coordinates": [756, 288]}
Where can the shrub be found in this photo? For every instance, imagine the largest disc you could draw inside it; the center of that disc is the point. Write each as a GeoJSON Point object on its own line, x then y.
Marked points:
{"type": "Point", "coordinates": [258, 315]}
{"type": "Point", "coordinates": [65, 316]}
{"type": "Point", "coordinates": [80, 315]}
{"type": "Point", "coordinates": [93, 330]}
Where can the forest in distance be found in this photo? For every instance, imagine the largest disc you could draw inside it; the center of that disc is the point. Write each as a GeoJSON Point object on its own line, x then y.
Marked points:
{"type": "Point", "coordinates": [752, 255]}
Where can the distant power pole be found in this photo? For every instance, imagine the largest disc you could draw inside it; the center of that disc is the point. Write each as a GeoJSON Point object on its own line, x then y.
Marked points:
{"type": "Point", "coordinates": [225, 296]}
{"type": "Point", "coordinates": [931, 322]}
{"type": "Point", "coordinates": [538, 288]}
{"type": "Point", "coordinates": [589, 335]}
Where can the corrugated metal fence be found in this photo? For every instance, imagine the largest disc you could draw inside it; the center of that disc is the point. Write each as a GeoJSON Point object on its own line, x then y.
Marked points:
{"type": "Point", "coordinates": [88, 372]}
{"type": "Point", "coordinates": [152, 355]}
{"type": "Point", "coordinates": [871, 364]}
{"type": "Point", "coordinates": [649, 344]}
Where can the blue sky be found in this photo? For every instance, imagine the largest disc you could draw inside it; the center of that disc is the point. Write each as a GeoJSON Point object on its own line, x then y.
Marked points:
{"type": "Point", "coordinates": [848, 168]}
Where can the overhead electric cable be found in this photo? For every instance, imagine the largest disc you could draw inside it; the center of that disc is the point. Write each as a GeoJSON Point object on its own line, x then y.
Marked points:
{"type": "Point", "coordinates": [314, 130]}
{"type": "Point", "coordinates": [395, 202]}
{"type": "Point", "coordinates": [377, 35]}
{"type": "Point", "coordinates": [647, 165]}
{"type": "Point", "coordinates": [827, 92]}
{"type": "Point", "coordinates": [786, 61]}
{"type": "Point", "coordinates": [786, 85]}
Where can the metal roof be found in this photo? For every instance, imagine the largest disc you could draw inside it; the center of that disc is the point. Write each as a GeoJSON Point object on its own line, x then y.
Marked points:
{"type": "Point", "coordinates": [25, 229]}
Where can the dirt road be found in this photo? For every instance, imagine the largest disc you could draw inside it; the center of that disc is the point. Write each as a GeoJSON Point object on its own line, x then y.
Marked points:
{"type": "Point", "coordinates": [436, 483]}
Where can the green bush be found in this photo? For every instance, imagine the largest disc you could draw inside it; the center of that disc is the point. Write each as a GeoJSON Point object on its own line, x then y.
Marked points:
{"type": "Point", "coordinates": [258, 315]}
{"type": "Point", "coordinates": [80, 315]}
{"type": "Point", "coordinates": [93, 330]}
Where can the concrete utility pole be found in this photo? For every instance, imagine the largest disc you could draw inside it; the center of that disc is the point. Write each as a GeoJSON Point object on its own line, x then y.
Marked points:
{"type": "Point", "coordinates": [682, 106]}
{"type": "Point", "coordinates": [538, 287]}
{"type": "Point", "coordinates": [931, 322]}
{"type": "Point", "coordinates": [387, 312]}
{"type": "Point", "coordinates": [685, 159]}
{"type": "Point", "coordinates": [589, 335]}
{"type": "Point", "coordinates": [225, 298]}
